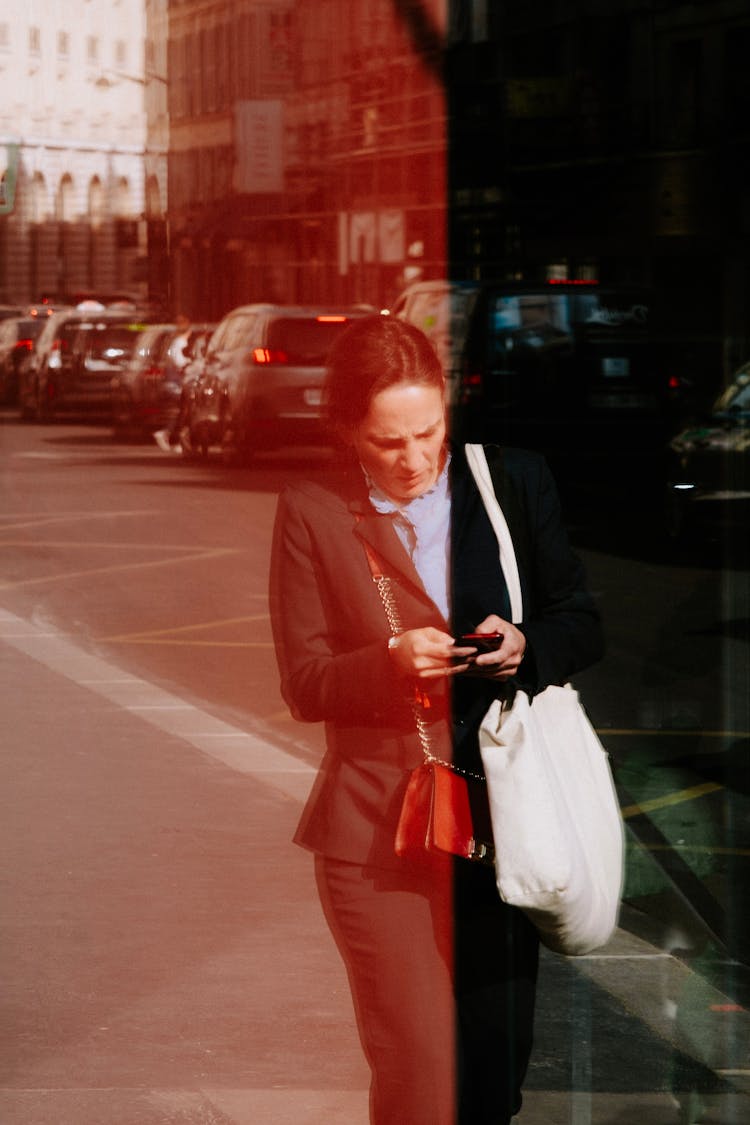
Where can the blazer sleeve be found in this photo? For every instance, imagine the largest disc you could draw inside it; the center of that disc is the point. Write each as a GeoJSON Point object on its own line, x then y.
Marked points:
{"type": "Point", "coordinates": [332, 667]}
{"type": "Point", "coordinates": [561, 622]}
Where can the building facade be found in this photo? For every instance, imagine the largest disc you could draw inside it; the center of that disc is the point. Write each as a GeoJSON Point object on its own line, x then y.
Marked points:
{"type": "Point", "coordinates": [307, 154]}
{"type": "Point", "coordinates": [72, 149]}
{"type": "Point", "coordinates": [331, 150]}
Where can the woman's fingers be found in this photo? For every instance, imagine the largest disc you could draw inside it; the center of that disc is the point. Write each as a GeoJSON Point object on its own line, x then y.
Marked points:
{"type": "Point", "coordinates": [506, 660]}
{"type": "Point", "coordinates": [420, 652]}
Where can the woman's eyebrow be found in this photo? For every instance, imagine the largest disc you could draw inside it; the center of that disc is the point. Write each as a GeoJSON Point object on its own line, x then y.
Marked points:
{"type": "Point", "coordinates": [400, 437]}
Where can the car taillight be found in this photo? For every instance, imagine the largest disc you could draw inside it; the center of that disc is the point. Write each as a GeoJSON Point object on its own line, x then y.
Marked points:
{"type": "Point", "coordinates": [24, 345]}
{"type": "Point", "coordinates": [470, 387]}
{"type": "Point", "coordinates": [263, 356]}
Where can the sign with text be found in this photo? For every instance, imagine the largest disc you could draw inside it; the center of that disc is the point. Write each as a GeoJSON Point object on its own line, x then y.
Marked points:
{"type": "Point", "coordinates": [259, 146]}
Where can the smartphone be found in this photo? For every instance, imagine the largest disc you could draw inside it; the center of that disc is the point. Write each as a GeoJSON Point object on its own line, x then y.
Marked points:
{"type": "Point", "coordinates": [484, 642]}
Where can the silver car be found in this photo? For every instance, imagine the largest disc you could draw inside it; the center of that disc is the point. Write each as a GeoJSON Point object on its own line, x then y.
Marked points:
{"type": "Point", "coordinates": [262, 378]}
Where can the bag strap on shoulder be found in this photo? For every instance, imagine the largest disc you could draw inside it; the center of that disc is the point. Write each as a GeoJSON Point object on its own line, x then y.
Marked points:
{"type": "Point", "coordinates": [480, 469]}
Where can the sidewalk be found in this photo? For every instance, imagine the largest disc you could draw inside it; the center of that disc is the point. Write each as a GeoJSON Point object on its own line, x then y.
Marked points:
{"type": "Point", "coordinates": [164, 955]}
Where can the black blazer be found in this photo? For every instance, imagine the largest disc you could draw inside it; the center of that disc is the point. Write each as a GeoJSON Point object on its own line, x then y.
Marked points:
{"type": "Point", "coordinates": [331, 635]}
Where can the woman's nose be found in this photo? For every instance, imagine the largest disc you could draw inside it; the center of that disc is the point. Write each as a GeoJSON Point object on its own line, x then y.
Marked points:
{"type": "Point", "coordinates": [411, 457]}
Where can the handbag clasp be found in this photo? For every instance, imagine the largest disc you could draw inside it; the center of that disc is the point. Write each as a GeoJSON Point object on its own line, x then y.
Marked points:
{"type": "Point", "coordinates": [481, 853]}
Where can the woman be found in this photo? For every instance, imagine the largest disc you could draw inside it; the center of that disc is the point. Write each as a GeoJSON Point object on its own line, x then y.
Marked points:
{"type": "Point", "coordinates": [442, 973]}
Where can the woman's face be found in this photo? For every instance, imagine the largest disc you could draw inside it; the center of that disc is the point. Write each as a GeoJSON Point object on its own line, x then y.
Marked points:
{"type": "Point", "coordinates": [401, 441]}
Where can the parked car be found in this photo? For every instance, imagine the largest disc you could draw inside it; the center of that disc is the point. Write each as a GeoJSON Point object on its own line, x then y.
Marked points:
{"type": "Point", "coordinates": [77, 354]}
{"type": "Point", "coordinates": [17, 338]}
{"type": "Point", "coordinates": [262, 378]}
{"type": "Point", "coordinates": [7, 311]}
{"type": "Point", "coordinates": [146, 392]}
{"type": "Point", "coordinates": [174, 437]}
{"type": "Point", "coordinates": [552, 365]}
{"type": "Point", "coordinates": [709, 477]}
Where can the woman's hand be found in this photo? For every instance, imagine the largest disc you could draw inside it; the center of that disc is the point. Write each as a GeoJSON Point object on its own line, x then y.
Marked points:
{"type": "Point", "coordinates": [504, 662]}
{"type": "Point", "coordinates": [427, 653]}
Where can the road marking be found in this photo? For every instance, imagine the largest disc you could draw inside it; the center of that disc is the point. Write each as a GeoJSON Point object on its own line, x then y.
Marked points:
{"type": "Point", "coordinates": [155, 636]}
{"type": "Point", "coordinates": [659, 955]}
{"type": "Point", "coordinates": [187, 644]}
{"type": "Point", "coordinates": [667, 732]}
{"type": "Point", "coordinates": [246, 751]}
{"type": "Point", "coordinates": [697, 849]}
{"type": "Point", "coordinates": [88, 545]}
{"type": "Point", "coordinates": [64, 517]}
{"type": "Point", "coordinates": [65, 576]}
{"type": "Point", "coordinates": [669, 799]}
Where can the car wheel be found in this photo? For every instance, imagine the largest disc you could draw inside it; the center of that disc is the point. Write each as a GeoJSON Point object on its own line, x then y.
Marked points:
{"type": "Point", "coordinates": [236, 447]}
{"type": "Point", "coordinates": [122, 421]}
{"type": "Point", "coordinates": [45, 411]}
{"type": "Point", "coordinates": [26, 404]}
{"type": "Point", "coordinates": [676, 522]}
{"type": "Point", "coordinates": [191, 446]}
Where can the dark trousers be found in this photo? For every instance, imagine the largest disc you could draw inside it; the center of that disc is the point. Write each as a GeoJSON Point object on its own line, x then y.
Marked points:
{"type": "Point", "coordinates": [443, 979]}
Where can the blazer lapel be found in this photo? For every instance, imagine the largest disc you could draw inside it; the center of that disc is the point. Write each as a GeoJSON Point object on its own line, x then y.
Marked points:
{"type": "Point", "coordinates": [378, 531]}
{"type": "Point", "coordinates": [463, 499]}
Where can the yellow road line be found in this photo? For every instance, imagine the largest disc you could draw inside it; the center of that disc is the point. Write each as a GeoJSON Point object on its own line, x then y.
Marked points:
{"type": "Point", "coordinates": [701, 849]}
{"type": "Point", "coordinates": [145, 636]}
{"type": "Point", "coordinates": [62, 517]}
{"type": "Point", "coordinates": [666, 732]}
{"type": "Point", "coordinates": [71, 574]}
{"type": "Point", "coordinates": [668, 799]}
{"type": "Point", "coordinates": [188, 644]}
{"type": "Point", "coordinates": [87, 545]}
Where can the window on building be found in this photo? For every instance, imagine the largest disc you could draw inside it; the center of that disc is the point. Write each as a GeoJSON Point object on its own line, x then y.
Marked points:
{"type": "Point", "coordinates": [685, 92]}
{"type": "Point", "coordinates": [4, 37]}
{"type": "Point", "coordinates": [737, 78]}
{"type": "Point", "coordinates": [121, 53]}
{"type": "Point", "coordinates": [35, 41]}
{"type": "Point", "coordinates": [63, 45]}
{"type": "Point", "coordinates": [39, 200]}
{"type": "Point", "coordinates": [92, 49]}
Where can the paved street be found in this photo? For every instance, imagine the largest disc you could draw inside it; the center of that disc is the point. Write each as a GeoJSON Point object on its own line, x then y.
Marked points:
{"type": "Point", "coordinates": [163, 954]}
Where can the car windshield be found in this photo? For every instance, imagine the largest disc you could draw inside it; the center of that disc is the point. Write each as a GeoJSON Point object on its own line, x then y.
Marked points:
{"type": "Point", "coordinates": [30, 329]}
{"type": "Point", "coordinates": [114, 343]}
{"type": "Point", "coordinates": [736, 398]}
{"type": "Point", "coordinates": [305, 341]}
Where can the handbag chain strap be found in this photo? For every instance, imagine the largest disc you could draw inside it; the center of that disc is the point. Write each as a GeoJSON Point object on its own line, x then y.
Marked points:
{"type": "Point", "coordinates": [420, 701]}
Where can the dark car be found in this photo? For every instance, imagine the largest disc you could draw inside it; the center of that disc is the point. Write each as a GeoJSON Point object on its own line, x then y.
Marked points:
{"type": "Point", "coordinates": [552, 365]}
{"type": "Point", "coordinates": [18, 336]}
{"type": "Point", "coordinates": [146, 391]}
{"type": "Point", "coordinates": [709, 479]}
{"type": "Point", "coordinates": [262, 378]}
{"type": "Point", "coordinates": [78, 353]}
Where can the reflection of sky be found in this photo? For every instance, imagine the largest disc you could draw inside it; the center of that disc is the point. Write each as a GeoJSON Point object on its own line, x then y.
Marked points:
{"type": "Point", "coordinates": [511, 313]}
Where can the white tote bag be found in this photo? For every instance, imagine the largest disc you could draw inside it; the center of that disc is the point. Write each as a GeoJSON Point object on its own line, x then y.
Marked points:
{"type": "Point", "coordinates": [556, 820]}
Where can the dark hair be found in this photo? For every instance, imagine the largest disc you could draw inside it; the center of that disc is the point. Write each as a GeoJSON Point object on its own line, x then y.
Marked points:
{"type": "Point", "coordinates": [372, 354]}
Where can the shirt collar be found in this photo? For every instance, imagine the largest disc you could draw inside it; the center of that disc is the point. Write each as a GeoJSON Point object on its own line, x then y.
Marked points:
{"type": "Point", "coordinates": [416, 508]}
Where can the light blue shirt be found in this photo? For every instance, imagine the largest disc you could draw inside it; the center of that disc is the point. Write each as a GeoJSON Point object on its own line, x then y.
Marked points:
{"type": "Point", "coordinates": [424, 527]}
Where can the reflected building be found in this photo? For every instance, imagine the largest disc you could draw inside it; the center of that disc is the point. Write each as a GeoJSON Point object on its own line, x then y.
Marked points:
{"type": "Point", "coordinates": [330, 150]}
{"type": "Point", "coordinates": [307, 158]}
{"type": "Point", "coordinates": [333, 150]}
{"type": "Point", "coordinates": [72, 146]}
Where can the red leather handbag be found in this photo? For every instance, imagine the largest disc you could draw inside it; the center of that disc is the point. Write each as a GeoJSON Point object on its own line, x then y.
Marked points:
{"type": "Point", "coordinates": [444, 811]}
{"type": "Point", "coordinates": [445, 808]}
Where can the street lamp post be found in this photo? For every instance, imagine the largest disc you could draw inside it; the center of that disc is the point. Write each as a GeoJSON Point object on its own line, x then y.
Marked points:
{"type": "Point", "coordinates": [158, 270]}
